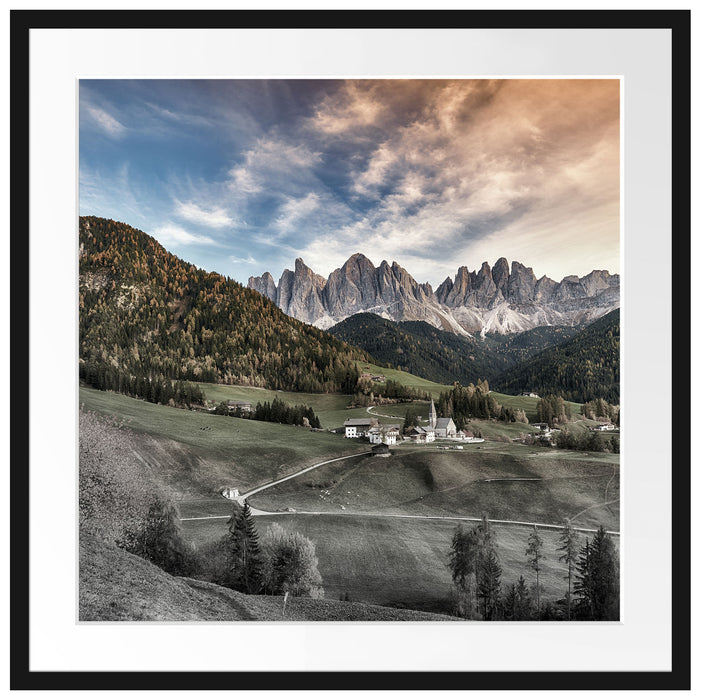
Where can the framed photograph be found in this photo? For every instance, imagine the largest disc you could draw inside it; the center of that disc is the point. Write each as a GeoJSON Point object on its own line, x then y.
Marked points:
{"type": "Point", "coordinates": [349, 346]}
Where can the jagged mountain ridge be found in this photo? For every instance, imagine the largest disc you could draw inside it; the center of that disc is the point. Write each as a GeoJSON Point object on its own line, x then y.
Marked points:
{"type": "Point", "coordinates": [499, 299]}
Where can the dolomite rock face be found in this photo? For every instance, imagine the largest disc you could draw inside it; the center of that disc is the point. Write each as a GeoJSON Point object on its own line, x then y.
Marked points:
{"type": "Point", "coordinates": [265, 285]}
{"type": "Point", "coordinates": [500, 299]}
{"type": "Point", "coordinates": [299, 293]}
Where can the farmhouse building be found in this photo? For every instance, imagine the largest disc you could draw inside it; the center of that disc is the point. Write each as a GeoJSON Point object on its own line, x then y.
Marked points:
{"type": "Point", "coordinates": [230, 493]}
{"type": "Point", "coordinates": [242, 405]}
{"type": "Point", "coordinates": [422, 435]}
{"type": "Point", "coordinates": [358, 427]}
{"type": "Point", "coordinates": [605, 426]}
{"type": "Point", "coordinates": [386, 434]}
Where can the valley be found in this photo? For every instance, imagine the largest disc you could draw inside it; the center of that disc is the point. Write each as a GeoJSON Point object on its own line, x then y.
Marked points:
{"type": "Point", "coordinates": [382, 527]}
{"type": "Point", "coordinates": [221, 393]}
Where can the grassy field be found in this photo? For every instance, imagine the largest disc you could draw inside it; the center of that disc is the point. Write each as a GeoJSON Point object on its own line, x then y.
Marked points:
{"type": "Point", "coordinates": [374, 559]}
{"type": "Point", "coordinates": [528, 405]}
{"type": "Point", "coordinates": [115, 585]}
{"type": "Point", "coordinates": [397, 562]}
{"type": "Point", "coordinates": [332, 408]}
{"type": "Point", "coordinates": [543, 488]}
{"type": "Point", "coordinates": [198, 453]}
{"type": "Point", "coordinates": [405, 378]}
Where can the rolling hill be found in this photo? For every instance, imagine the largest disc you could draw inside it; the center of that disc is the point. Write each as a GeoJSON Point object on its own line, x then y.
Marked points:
{"type": "Point", "coordinates": [115, 585]}
{"type": "Point", "coordinates": [146, 315]}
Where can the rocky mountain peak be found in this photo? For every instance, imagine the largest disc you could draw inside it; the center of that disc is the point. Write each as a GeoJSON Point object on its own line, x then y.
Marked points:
{"type": "Point", "coordinates": [501, 298]}
{"type": "Point", "coordinates": [264, 285]}
{"type": "Point", "coordinates": [500, 274]}
{"type": "Point", "coordinates": [303, 271]}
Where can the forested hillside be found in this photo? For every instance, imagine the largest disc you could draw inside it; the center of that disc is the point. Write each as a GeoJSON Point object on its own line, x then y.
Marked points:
{"type": "Point", "coordinates": [414, 347]}
{"type": "Point", "coordinates": [583, 368]}
{"type": "Point", "coordinates": [146, 314]}
{"type": "Point", "coordinates": [421, 349]}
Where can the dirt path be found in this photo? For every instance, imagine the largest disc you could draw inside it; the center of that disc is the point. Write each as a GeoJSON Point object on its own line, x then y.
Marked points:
{"type": "Point", "coordinates": [257, 512]}
{"type": "Point", "coordinates": [458, 518]}
{"type": "Point", "coordinates": [381, 415]}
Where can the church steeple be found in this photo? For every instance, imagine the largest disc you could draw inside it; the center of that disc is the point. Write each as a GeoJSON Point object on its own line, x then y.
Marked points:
{"type": "Point", "coordinates": [432, 416]}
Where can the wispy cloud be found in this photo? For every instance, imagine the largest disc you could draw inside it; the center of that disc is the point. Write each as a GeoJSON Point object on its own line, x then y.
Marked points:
{"type": "Point", "coordinates": [278, 163]}
{"type": "Point", "coordinates": [106, 122]}
{"type": "Point", "coordinates": [214, 218]}
{"type": "Point", "coordinates": [431, 173]}
{"type": "Point", "coordinates": [295, 210]}
{"type": "Point", "coordinates": [249, 260]}
{"type": "Point", "coordinates": [172, 234]}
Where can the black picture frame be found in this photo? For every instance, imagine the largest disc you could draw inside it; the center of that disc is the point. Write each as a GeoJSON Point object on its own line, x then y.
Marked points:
{"type": "Point", "coordinates": [22, 677]}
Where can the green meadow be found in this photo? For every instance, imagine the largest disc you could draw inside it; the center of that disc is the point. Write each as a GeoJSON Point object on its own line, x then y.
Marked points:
{"type": "Point", "coordinates": [198, 453]}
{"type": "Point", "coordinates": [357, 512]}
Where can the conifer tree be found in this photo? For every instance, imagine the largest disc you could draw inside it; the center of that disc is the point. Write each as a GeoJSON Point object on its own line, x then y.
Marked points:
{"type": "Point", "coordinates": [534, 552]}
{"type": "Point", "coordinates": [523, 601]}
{"type": "Point", "coordinates": [489, 585]}
{"type": "Point", "coordinates": [245, 553]}
{"type": "Point", "coordinates": [597, 580]}
{"type": "Point", "coordinates": [568, 544]}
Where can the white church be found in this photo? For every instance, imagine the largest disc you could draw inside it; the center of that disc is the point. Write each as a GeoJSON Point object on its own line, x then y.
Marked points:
{"type": "Point", "coordinates": [441, 427]}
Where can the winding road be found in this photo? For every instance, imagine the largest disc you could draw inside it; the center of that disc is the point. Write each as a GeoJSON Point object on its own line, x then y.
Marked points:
{"type": "Point", "coordinates": [257, 512]}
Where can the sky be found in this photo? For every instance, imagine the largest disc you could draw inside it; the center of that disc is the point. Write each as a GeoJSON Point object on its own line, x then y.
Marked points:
{"type": "Point", "coordinates": [244, 176]}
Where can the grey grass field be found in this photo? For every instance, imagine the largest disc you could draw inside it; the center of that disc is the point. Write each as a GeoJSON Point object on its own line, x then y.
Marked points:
{"type": "Point", "coordinates": [356, 511]}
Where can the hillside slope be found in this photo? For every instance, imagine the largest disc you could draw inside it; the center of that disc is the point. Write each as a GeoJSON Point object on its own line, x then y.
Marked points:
{"type": "Point", "coordinates": [419, 348]}
{"type": "Point", "coordinates": [583, 368]}
{"type": "Point", "coordinates": [146, 314]}
{"type": "Point", "coordinates": [117, 586]}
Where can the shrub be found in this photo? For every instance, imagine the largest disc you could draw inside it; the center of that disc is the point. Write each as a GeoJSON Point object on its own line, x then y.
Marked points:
{"type": "Point", "coordinates": [290, 564]}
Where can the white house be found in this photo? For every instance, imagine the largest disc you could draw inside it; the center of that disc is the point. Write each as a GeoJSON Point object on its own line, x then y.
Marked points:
{"type": "Point", "coordinates": [386, 434]}
{"type": "Point", "coordinates": [605, 426]}
{"type": "Point", "coordinates": [242, 405]}
{"type": "Point", "coordinates": [357, 427]}
{"type": "Point", "coordinates": [230, 493]}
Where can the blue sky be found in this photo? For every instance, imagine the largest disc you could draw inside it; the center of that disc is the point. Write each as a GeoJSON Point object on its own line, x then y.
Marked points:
{"type": "Point", "coordinates": [244, 176]}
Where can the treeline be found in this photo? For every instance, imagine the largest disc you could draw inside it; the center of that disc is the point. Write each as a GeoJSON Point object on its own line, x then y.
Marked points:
{"type": "Point", "coordinates": [592, 576]}
{"type": "Point", "coordinates": [583, 440]}
{"type": "Point", "coordinates": [475, 401]}
{"type": "Point", "coordinates": [369, 393]}
{"type": "Point", "coordinates": [587, 441]}
{"type": "Point", "coordinates": [581, 369]}
{"type": "Point", "coordinates": [154, 389]}
{"type": "Point", "coordinates": [599, 409]}
{"type": "Point", "coordinates": [553, 410]}
{"type": "Point", "coordinates": [147, 313]}
{"type": "Point", "coordinates": [277, 411]}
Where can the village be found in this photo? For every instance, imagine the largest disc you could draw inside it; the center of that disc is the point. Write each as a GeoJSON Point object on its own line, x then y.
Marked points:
{"type": "Point", "coordinates": [384, 436]}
